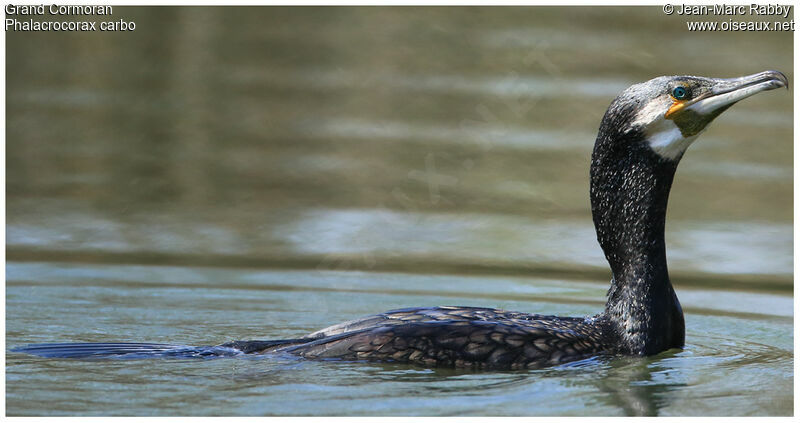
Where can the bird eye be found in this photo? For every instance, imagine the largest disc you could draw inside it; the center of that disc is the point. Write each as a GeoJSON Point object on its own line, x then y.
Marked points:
{"type": "Point", "coordinates": [680, 93]}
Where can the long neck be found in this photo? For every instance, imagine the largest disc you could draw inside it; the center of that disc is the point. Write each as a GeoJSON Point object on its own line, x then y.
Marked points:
{"type": "Point", "coordinates": [630, 187]}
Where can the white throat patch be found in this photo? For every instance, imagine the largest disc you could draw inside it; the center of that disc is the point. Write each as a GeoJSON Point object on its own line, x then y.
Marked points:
{"type": "Point", "coordinates": [661, 134]}
{"type": "Point", "coordinates": [665, 138]}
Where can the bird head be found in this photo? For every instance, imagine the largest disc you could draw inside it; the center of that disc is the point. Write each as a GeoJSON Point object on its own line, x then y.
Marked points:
{"type": "Point", "coordinates": [642, 137]}
{"type": "Point", "coordinates": [669, 112]}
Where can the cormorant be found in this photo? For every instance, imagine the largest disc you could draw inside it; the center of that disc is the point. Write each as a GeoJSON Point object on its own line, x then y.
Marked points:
{"type": "Point", "coordinates": [642, 137]}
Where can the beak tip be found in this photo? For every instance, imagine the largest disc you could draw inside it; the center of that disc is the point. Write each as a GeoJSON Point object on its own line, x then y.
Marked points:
{"type": "Point", "coordinates": [779, 78]}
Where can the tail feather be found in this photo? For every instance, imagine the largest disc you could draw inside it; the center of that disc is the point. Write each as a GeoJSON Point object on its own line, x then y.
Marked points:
{"type": "Point", "coordinates": [150, 350]}
{"type": "Point", "coordinates": [249, 347]}
{"type": "Point", "coordinates": [125, 350]}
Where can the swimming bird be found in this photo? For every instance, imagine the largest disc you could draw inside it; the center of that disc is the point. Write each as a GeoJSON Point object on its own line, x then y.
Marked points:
{"type": "Point", "coordinates": [642, 137]}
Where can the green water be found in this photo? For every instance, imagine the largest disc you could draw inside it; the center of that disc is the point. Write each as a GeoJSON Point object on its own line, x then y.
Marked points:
{"type": "Point", "coordinates": [256, 173]}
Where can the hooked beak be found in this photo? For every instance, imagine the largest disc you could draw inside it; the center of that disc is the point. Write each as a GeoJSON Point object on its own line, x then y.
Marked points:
{"type": "Point", "coordinates": [726, 92]}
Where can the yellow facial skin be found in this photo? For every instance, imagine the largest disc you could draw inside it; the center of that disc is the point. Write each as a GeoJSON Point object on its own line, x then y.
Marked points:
{"type": "Point", "coordinates": [677, 105]}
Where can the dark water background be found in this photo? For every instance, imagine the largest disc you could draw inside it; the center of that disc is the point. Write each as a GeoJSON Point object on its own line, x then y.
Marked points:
{"type": "Point", "coordinates": [240, 173]}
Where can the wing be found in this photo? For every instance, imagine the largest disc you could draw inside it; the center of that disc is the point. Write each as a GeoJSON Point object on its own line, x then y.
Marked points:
{"type": "Point", "coordinates": [433, 314]}
{"type": "Point", "coordinates": [463, 343]}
